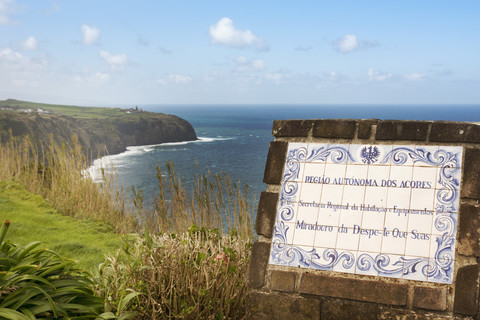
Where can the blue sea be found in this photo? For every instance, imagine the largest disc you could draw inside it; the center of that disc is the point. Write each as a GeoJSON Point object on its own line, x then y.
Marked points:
{"type": "Point", "coordinates": [234, 139]}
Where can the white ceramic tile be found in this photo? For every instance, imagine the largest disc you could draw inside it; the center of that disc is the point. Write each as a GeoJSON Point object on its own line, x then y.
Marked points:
{"type": "Point", "coordinates": [290, 191]}
{"type": "Point", "coordinates": [301, 256]}
{"type": "Point", "coordinates": [398, 198]}
{"type": "Point", "coordinates": [346, 262]}
{"type": "Point", "coordinates": [287, 212]}
{"type": "Point", "coordinates": [441, 278]}
{"type": "Point", "coordinates": [308, 215]}
{"type": "Point", "coordinates": [454, 153]}
{"type": "Point", "coordinates": [373, 220]}
{"type": "Point", "coordinates": [384, 151]}
{"type": "Point", "coordinates": [401, 155]}
{"type": "Point", "coordinates": [434, 243]}
{"type": "Point", "coordinates": [371, 241]}
{"type": "Point", "coordinates": [349, 218]}
{"type": "Point", "coordinates": [358, 171]}
{"type": "Point", "coordinates": [422, 199]}
{"type": "Point", "coordinates": [326, 238]}
{"type": "Point", "coordinates": [420, 223]}
{"type": "Point", "coordinates": [413, 267]}
{"type": "Point", "coordinates": [290, 230]}
{"type": "Point", "coordinates": [316, 152]}
{"type": "Point", "coordinates": [347, 241]}
{"type": "Point", "coordinates": [332, 195]}
{"type": "Point", "coordinates": [303, 237]}
{"type": "Point", "coordinates": [366, 263]}
{"type": "Point", "coordinates": [375, 196]}
{"type": "Point", "coordinates": [313, 172]}
{"type": "Point", "coordinates": [445, 224]}
{"type": "Point", "coordinates": [353, 195]}
{"type": "Point", "coordinates": [418, 245]}
{"type": "Point", "coordinates": [335, 171]}
{"type": "Point", "coordinates": [392, 266]}
{"type": "Point", "coordinates": [400, 177]}
{"type": "Point", "coordinates": [328, 216]}
{"type": "Point", "coordinates": [424, 178]}
{"type": "Point", "coordinates": [424, 153]}
{"type": "Point", "coordinates": [378, 173]}
{"type": "Point", "coordinates": [369, 154]}
{"type": "Point", "coordinates": [453, 200]}
{"type": "Point", "coordinates": [355, 151]}
{"type": "Point", "coordinates": [319, 262]}
{"type": "Point", "coordinates": [310, 193]}
{"type": "Point", "coordinates": [394, 242]}
{"type": "Point", "coordinates": [395, 220]}
{"type": "Point", "coordinates": [338, 153]}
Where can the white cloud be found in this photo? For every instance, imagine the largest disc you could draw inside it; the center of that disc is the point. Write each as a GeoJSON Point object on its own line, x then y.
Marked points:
{"type": "Point", "coordinates": [258, 64]}
{"type": "Point", "coordinates": [7, 7]}
{"type": "Point", "coordinates": [415, 77]}
{"type": "Point", "coordinates": [303, 48]}
{"type": "Point", "coordinates": [350, 42]}
{"type": "Point", "coordinates": [224, 32]}
{"type": "Point", "coordinates": [241, 60]}
{"type": "Point", "coordinates": [18, 70]}
{"type": "Point", "coordinates": [275, 77]}
{"type": "Point", "coordinates": [178, 78]}
{"type": "Point", "coordinates": [378, 76]}
{"type": "Point", "coordinates": [30, 44]}
{"type": "Point", "coordinates": [116, 62]}
{"type": "Point", "coordinates": [244, 64]}
{"type": "Point", "coordinates": [90, 35]}
{"type": "Point", "coordinates": [95, 78]}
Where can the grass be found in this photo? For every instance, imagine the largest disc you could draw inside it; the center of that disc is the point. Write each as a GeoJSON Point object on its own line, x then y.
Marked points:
{"type": "Point", "coordinates": [72, 111]}
{"type": "Point", "coordinates": [33, 219]}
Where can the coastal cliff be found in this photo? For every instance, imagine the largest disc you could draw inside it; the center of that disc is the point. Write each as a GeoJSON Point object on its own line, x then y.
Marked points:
{"type": "Point", "coordinates": [99, 130]}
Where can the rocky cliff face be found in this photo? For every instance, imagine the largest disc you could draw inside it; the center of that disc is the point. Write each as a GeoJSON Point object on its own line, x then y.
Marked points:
{"type": "Point", "coordinates": [98, 136]}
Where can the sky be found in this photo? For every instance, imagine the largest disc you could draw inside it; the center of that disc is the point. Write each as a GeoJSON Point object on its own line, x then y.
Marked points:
{"type": "Point", "coordinates": [109, 52]}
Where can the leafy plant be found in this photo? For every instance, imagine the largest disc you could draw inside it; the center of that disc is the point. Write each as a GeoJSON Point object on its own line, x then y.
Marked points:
{"type": "Point", "coordinates": [38, 283]}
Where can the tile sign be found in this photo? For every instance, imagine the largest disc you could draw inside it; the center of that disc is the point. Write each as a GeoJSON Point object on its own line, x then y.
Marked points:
{"type": "Point", "coordinates": [380, 210]}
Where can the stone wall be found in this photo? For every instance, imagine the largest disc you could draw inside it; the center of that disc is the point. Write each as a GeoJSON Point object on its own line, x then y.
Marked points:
{"type": "Point", "coordinates": [278, 292]}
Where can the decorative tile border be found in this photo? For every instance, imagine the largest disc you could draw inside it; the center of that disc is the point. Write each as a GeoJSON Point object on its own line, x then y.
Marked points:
{"type": "Point", "coordinates": [382, 210]}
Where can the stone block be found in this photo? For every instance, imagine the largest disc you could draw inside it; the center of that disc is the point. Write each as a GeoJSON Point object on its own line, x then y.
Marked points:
{"type": "Point", "coordinates": [277, 154]}
{"type": "Point", "coordinates": [471, 174]}
{"type": "Point", "coordinates": [349, 310]}
{"type": "Point", "coordinates": [291, 128]}
{"type": "Point", "coordinates": [272, 306]}
{"type": "Point", "coordinates": [430, 298]}
{"type": "Point", "coordinates": [402, 130]}
{"type": "Point", "coordinates": [355, 289]}
{"type": "Point", "coordinates": [267, 209]}
{"type": "Point", "coordinates": [466, 291]}
{"type": "Point", "coordinates": [258, 264]}
{"type": "Point", "coordinates": [469, 230]}
{"type": "Point", "coordinates": [283, 281]}
{"type": "Point", "coordinates": [334, 129]}
{"type": "Point", "coordinates": [365, 128]}
{"type": "Point", "coordinates": [445, 131]}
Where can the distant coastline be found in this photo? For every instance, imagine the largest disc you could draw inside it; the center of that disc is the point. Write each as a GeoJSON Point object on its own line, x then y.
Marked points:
{"type": "Point", "coordinates": [100, 131]}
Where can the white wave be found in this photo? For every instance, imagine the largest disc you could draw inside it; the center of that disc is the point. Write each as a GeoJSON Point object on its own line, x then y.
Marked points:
{"type": "Point", "coordinates": [119, 160]}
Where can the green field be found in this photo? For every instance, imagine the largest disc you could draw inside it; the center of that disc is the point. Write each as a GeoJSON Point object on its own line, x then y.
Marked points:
{"type": "Point", "coordinates": [72, 111]}
{"type": "Point", "coordinates": [33, 219]}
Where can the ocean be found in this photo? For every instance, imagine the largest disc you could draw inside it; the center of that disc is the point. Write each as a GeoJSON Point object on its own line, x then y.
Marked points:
{"type": "Point", "coordinates": [234, 139]}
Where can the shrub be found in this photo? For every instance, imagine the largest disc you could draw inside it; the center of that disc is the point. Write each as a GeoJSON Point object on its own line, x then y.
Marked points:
{"type": "Point", "coordinates": [198, 274]}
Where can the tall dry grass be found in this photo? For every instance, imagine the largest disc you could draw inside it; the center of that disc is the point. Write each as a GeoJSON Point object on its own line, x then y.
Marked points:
{"type": "Point", "coordinates": [212, 200]}
{"type": "Point", "coordinates": [55, 173]}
